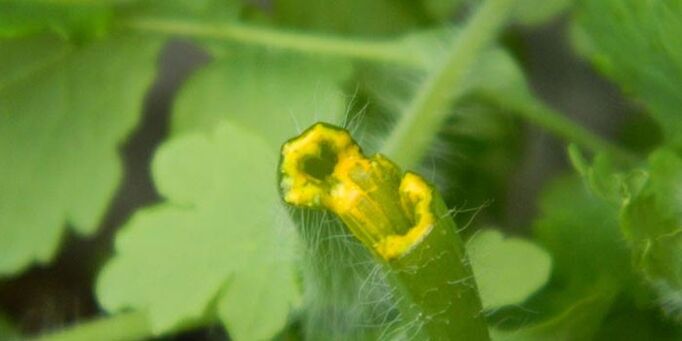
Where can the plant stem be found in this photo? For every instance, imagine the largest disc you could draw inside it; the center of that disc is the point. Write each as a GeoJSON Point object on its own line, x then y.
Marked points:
{"type": "Point", "coordinates": [121, 327]}
{"type": "Point", "coordinates": [384, 51]}
{"type": "Point", "coordinates": [547, 118]}
{"type": "Point", "coordinates": [435, 276]}
{"type": "Point", "coordinates": [400, 219]}
{"type": "Point", "coordinates": [419, 124]}
{"type": "Point", "coordinates": [422, 118]}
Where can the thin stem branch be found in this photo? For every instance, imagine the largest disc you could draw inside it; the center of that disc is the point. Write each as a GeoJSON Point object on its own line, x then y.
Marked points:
{"type": "Point", "coordinates": [383, 51]}
{"type": "Point", "coordinates": [121, 327]}
{"type": "Point", "coordinates": [539, 114]}
{"type": "Point", "coordinates": [419, 124]}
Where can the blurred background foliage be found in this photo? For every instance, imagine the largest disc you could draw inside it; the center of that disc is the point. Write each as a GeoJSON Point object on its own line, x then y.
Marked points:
{"type": "Point", "coordinates": [139, 143]}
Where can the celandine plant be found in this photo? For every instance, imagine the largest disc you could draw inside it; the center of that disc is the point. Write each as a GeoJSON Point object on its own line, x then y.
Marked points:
{"type": "Point", "coordinates": [220, 240]}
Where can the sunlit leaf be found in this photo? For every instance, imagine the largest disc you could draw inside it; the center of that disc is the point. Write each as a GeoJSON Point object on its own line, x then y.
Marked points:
{"type": "Point", "coordinates": [276, 95]}
{"type": "Point", "coordinates": [220, 236]}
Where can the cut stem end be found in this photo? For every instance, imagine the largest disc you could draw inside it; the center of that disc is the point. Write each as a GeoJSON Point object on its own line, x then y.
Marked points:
{"type": "Point", "coordinates": [324, 168]}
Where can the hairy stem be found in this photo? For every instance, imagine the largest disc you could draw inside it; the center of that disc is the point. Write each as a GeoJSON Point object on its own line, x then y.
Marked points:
{"type": "Point", "coordinates": [423, 117]}
{"type": "Point", "coordinates": [383, 51]}
{"type": "Point", "coordinates": [121, 327]}
{"type": "Point", "coordinates": [400, 219]}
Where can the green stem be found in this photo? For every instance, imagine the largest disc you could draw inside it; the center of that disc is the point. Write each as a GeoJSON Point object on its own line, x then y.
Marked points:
{"type": "Point", "coordinates": [400, 219]}
{"type": "Point", "coordinates": [386, 51]}
{"type": "Point", "coordinates": [424, 116]}
{"type": "Point", "coordinates": [121, 327]}
{"type": "Point", "coordinates": [436, 277]}
{"type": "Point", "coordinates": [543, 116]}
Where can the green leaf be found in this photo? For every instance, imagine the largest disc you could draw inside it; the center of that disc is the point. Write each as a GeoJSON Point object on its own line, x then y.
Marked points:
{"type": "Point", "coordinates": [218, 237]}
{"type": "Point", "coordinates": [274, 94]}
{"type": "Point", "coordinates": [366, 17]}
{"type": "Point", "coordinates": [533, 12]}
{"type": "Point", "coordinates": [251, 309]}
{"type": "Point", "coordinates": [652, 221]}
{"type": "Point", "coordinates": [606, 178]}
{"type": "Point", "coordinates": [7, 330]}
{"type": "Point", "coordinates": [601, 175]}
{"type": "Point", "coordinates": [18, 57]}
{"type": "Point", "coordinates": [638, 44]}
{"type": "Point", "coordinates": [269, 94]}
{"type": "Point", "coordinates": [581, 233]}
{"type": "Point", "coordinates": [67, 18]}
{"type": "Point", "coordinates": [578, 322]}
{"type": "Point", "coordinates": [61, 121]}
{"type": "Point", "coordinates": [507, 270]}
{"type": "Point", "coordinates": [442, 9]}
{"type": "Point", "coordinates": [630, 320]}
{"type": "Point", "coordinates": [590, 264]}
{"type": "Point", "coordinates": [498, 77]}
{"type": "Point", "coordinates": [204, 9]}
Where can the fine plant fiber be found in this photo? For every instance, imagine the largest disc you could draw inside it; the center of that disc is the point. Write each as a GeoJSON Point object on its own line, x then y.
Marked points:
{"type": "Point", "coordinates": [345, 293]}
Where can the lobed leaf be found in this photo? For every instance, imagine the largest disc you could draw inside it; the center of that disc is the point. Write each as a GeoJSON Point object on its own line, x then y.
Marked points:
{"type": "Point", "coordinates": [222, 220]}
{"type": "Point", "coordinates": [224, 243]}
{"type": "Point", "coordinates": [64, 110]}
{"type": "Point", "coordinates": [274, 94]}
{"type": "Point", "coordinates": [652, 222]}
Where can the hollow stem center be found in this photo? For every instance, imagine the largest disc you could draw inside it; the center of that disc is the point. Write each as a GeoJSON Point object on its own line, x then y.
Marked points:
{"type": "Point", "coordinates": [325, 168]}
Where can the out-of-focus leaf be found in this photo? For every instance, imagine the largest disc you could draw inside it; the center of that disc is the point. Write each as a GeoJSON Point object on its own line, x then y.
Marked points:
{"type": "Point", "coordinates": [499, 78]}
{"type": "Point", "coordinates": [605, 178]}
{"type": "Point", "coordinates": [651, 215]}
{"type": "Point", "coordinates": [219, 237]}
{"type": "Point", "coordinates": [227, 195]}
{"type": "Point", "coordinates": [276, 95]}
{"type": "Point", "coordinates": [257, 303]}
{"type": "Point", "coordinates": [18, 57]}
{"type": "Point", "coordinates": [205, 9]}
{"type": "Point", "coordinates": [507, 270]}
{"type": "Point", "coordinates": [361, 17]}
{"type": "Point", "coordinates": [579, 322]}
{"type": "Point", "coordinates": [67, 18]}
{"type": "Point", "coordinates": [442, 9]}
{"type": "Point", "coordinates": [581, 233]}
{"type": "Point", "coordinates": [527, 12]}
{"type": "Point", "coordinates": [533, 12]}
{"type": "Point", "coordinates": [590, 266]}
{"type": "Point", "coordinates": [7, 331]}
{"type": "Point", "coordinates": [62, 118]}
{"type": "Point", "coordinates": [652, 221]}
{"type": "Point", "coordinates": [628, 320]}
{"type": "Point", "coordinates": [638, 44]}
